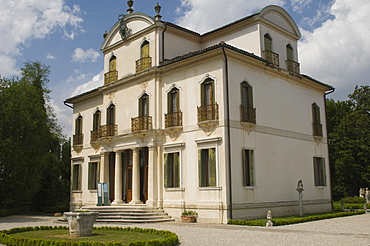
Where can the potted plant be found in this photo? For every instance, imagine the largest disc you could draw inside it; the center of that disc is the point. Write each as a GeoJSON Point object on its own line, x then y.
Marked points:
{"type": "Point", "coordinates": [189, 216]}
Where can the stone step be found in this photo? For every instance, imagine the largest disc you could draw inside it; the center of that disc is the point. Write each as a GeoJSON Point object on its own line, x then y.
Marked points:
{"type": "Point", "coordinates": [128, 214]}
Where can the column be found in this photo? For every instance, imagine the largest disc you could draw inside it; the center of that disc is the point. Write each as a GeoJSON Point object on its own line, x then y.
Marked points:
{"type": "Point", "coordinates": [135, 177]}
{"type": "Point", "coordinates": [118, 179]}
{"type": "Point", "coordinates": [152, 177]}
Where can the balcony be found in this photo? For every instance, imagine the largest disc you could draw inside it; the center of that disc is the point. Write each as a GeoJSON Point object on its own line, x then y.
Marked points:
{"type": "Point", "coordinates": [248, 114]}
{"type": "Point", "coordinates": [78, 140]}
{"type": "Point", "coordinates": [143, 63]}
{"type": "Point", "coordinates": [94, 136]}
{"type": "Point", "coordinates": [141, 123]}
{"type": "Point", "coordinates": [317, 129]}
{"type": "Point", "coordinates": [107, 131]}
{"type": "Point", "coordinates": [208, 112]}
{"type": "Point", "coordinates": [292, 66]}
{"type": "Point", "coordinates": [110, 77]}
{"type": "Point", "coordinates": [173, 119]}
{"type": "Point", "coordinates": [272, 57]}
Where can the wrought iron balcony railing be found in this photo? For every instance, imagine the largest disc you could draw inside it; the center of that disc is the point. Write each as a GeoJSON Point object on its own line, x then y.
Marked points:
{"type": "Point", "coordinates": [95, 135]}
{"type": "Point", "coordinates": [173, 119]}
{"type": "Point", "coordinates": [143, 63]}
{"type": "Point", "coordinates": [78, 139]}
{"type": "Point", "coordinates": [141, 123]}
{"type": "Point", "coordinates": [272, 57]}
{"type": "Point", "coordinates": [110, 77]}
{"type": "Point", "coordinates": [108, 131]}
{"type": "Point", "coordinates": [292, 66]}
{"type": "Point", "coordinates": [208, 112]}
{"type": "Point", "coordinates": [248, 114]}
{"type": "Point", "coordinates": [317, 129]}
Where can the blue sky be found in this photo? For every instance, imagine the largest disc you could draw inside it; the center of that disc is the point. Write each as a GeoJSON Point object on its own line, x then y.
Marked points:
{"type": "Point", "coordinates": [67, 35]}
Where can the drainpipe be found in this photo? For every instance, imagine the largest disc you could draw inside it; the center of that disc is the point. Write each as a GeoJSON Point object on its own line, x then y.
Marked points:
{"type": "Point", "coordinates": [165, 28]}
{"type": "Point", "coordinates": [328, 144]}
{"type": "Point", "coordinates": [228, 142]}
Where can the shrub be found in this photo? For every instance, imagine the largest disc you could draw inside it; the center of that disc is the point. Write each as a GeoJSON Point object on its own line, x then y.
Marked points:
{"type": "Point", "coordinates": [282, 221]}
{"type": "Point", "coordinates": [189, 212]}
{"type": "Point", "coordinates": [353, 199]}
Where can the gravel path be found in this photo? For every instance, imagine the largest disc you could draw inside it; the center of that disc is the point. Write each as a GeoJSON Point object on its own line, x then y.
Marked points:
{"type": "Point", "coordinates": [354, 230]}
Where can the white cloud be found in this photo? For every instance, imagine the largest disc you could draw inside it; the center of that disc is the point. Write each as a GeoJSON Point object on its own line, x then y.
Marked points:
{"type": "Point", "coordinates": [96, 81]}
{"type": "Point", "coordinates": [80, 55]}
{"type": "Point", "coordinates": [49, 56]}
{"type": "Point", "coordinates": [24, 20]}
{"type": "Point", "coordinates": [299, 5]}
{"type": "Point", "coordinates": [205, 15]}
{"type": "Point", "coordinates": [338, 52]}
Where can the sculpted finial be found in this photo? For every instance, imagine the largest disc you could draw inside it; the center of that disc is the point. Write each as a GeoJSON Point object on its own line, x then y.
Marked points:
{"type": "Point", "coordinates": [157, 9]}
{"type": "Point", "coordinates": [130, 3]}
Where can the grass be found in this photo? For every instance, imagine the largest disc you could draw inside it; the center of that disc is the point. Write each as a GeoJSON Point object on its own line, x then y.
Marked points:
{"type": "Point", "coordinates": [102, 235]}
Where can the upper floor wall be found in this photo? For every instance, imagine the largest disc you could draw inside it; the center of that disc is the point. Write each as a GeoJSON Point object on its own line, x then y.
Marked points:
{"type": "Point", "coordinates": [138, 42]}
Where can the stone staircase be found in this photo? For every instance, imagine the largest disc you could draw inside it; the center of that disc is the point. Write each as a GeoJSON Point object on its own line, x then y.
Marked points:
{"type": "Point", "coordinates": [128, 214]}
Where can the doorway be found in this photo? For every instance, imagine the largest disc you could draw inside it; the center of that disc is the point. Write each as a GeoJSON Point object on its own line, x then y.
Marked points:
{"type": "Point", "coordinates": [143, 162]}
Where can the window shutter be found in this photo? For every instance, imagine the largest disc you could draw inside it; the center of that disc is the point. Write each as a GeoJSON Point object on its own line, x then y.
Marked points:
{"type": "Point", "coordinates": [176, 167]}
{"type": "Point", "coordinates": [200, 169]}
{"type": "Point", "coordinates": [212, 167]}
{"type": "Point", "coordinates": [251, 167]}
{"type": "Point", "coordinates": [145, 49]}
{"type": "Point", "coordinates": [245, 178]}
{"type": "Point", "coordinates": [166, 171]}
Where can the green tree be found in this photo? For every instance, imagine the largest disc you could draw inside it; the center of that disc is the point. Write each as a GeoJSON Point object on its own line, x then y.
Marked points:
{"type": "Point", "coordinates": [349, 135]}
{"type": "Point", "coordinates": [30, 138]}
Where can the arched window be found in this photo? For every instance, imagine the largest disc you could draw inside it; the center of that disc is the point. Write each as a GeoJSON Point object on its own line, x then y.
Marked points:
{"type": "Point", "coordinates": [207, 92]}
{"type": "Point", "coordinates": [111, 117]}
{"type": "Point", "coordinates": [270, 56]}
{"type": "Point", "coordinates": [144, 105]}
{"type": "Point", "coordinates": [112, 64]}
{"type": "Point", "coordinates": [289, 53]}
{"type": "Point", "coordinates": [173, 98]}
{"type": "Point", "coordinates": [96, 120]}
{"type": "Point", "coordinates": [78, 126]}
{"type": "Point", "coordinates": [268, 42]}
{"type": "Point", "coordinates": [248, 113]}
{"type": "Point", "coordinates": [209, 108]}
{"type": "Point", "coordinates": [174, 115]}
{"type": "Point", "coordinates": [316, 121]}
{"type": "Point", "coordinates": [145, 49]}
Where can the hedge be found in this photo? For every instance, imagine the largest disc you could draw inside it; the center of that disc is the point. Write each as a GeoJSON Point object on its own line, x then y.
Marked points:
{"type": "Point", "coordinates": [170, 239]}
{"type": "Point", "coordinates": [279, 222]}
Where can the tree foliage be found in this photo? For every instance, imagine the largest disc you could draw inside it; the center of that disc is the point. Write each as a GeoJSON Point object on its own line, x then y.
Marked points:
{"type": "Point", "coordinates": [30, 139]}
{"type": "Point", "coordinates": [349, 135]}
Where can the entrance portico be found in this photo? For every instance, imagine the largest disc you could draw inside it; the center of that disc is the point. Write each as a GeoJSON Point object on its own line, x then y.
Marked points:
{"type": "Point", "coordinates": [131, 175]}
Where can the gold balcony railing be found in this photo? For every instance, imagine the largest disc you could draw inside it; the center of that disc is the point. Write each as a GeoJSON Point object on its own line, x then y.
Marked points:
{"type": "Point", "coordinates": [208, 112]}
{"type": "Point", "coordinates": [248, 114]}
{"type": "Point", "coordinates": [143, 63]}
{"type": "Point", "coordinates": [272, 57]}
{"type": "Point", "coordinates": [141, 123]}
{"type": "Point", "coordinates": [78, 139]}
{"type": "Point", "coordinates": [292, 66]}
{"type": "Point", "coordinates": [108, 131]}
{"type": "Point", "coordinates": [110, 77]}
{"type": "Point", "coordinates": [95, 135]}
{"type": "Point", "coordinates": [317, 129]}
{"type": "Point", "coordinates": [173, 119]}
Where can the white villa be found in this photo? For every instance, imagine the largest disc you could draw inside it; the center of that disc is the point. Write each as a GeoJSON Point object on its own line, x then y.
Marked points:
{"type": "Point", "coordinates": [222, 123]}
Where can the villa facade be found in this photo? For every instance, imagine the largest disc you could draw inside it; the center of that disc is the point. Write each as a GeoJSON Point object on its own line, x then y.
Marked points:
{"type": "Point", "coordinates": [222, 123]}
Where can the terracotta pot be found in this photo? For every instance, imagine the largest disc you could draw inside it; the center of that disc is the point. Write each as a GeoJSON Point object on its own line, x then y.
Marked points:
{"type": "Point", "coordinates": [188, 218]}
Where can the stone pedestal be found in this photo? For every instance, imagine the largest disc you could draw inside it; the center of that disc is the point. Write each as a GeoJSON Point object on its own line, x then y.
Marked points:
{"type": "Point", "coordinates": [81, 224]}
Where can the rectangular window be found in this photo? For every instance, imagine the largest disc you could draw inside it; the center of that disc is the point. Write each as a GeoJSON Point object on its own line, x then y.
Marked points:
{"type": "Point", "coordinates": [172, 170]}
{"type": "Point", "coordinates": [93, 175]}
{"type": "Point", "coordinates": [319, 171]}
{"type": "Point", "coordinates": [248, 163]}
{"type": "Point", "coordinates": [207, 167]}
{"type": "Point", "coordinates": [76, 177]}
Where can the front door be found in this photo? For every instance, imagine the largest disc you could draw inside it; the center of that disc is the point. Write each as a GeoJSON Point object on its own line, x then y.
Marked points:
{"type": "Point", "coordinates": [127, 175]}
{"type": "Point", "coordinates": [112, 165]}
{"type": "Point", "coordinates": [143, 159]}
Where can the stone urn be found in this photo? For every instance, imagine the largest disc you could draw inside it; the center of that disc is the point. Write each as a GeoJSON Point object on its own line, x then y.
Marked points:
{"type": "Point", "coordinates": [81, 223]}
